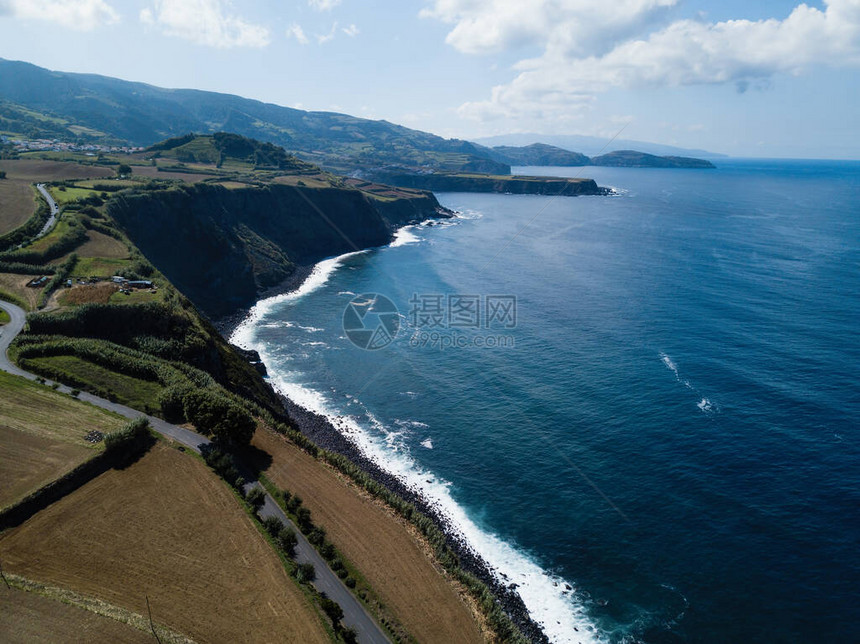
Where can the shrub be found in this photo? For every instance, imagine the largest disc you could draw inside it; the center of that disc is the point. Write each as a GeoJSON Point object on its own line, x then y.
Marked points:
{"type": "Point", "coordinates": [303, 519]}
{"type": "Point", "coordinates": [350, 582]}
{"type": "Point", "coordinates": [273, 525]}
{"type": "Point", "coordinates": [306, 573]}
{"type": "Point", "coordinates": [223, 464]}
{"type": "Point", "coordinates": [172, 402]}
{"type": "Point", "coordinates": [74, 236]}
{"type": "Point", "coordinates": [333, 610]}
{"type": "Point", "coordinates": [317, 536]}
{"type": "Point", "coordinates": [350, 636]}
{"type": "Point", "coordinates": [128, 439]}
{"type": "Point", "coordinates": [60, 276]}
{"type": "Point", "coordinates": [219, 416]}
{"type": "Point", "coordinates": [327, 551]}
{"type": "Point", "coordinates": [294, 503]}
{"type": "Point", "coordinates": [255, 498]}
{"type": "Point", "coordinates": [288, 541]}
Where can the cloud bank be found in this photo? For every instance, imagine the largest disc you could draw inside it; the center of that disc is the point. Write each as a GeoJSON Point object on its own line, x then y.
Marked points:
{"type": "Point", "coordinates": [81, 15]}
{"type": "Point", "coordinates": [585, 47]}
{"type": "Point", "coordinates": [205, 22]}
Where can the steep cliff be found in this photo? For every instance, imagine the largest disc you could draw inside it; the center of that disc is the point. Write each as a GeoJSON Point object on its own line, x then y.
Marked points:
{"type": "Point", "coordinates": [444, 182]}
{"type": "Point", "coordinates": [223, 247]}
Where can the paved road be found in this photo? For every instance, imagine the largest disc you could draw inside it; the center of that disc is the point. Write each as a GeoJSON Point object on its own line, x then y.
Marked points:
{"type": "Point", "coordinates": [54, 211]}
{"type": "Point", "coordinates": [354, 614]}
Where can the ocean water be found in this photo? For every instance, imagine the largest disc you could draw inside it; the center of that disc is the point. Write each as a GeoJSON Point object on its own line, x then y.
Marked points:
{"type": "Point", "coordinates": [664, 444]}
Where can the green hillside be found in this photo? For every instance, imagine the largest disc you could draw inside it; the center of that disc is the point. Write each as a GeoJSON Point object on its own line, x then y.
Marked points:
{"type": "Point", "coordinates": [93, 108]}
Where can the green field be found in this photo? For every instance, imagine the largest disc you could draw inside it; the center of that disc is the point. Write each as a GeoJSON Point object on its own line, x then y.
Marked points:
{"type": "Point", "coordinates": [4, 317]}
{"type": "Point", "coordinates": [136, 393]}
{"type": "Point", "coordinates": [98, 266]}
{"type": "Point", "coordinates": [68, 195]}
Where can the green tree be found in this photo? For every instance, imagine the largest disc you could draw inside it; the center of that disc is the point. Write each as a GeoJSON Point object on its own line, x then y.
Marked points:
{"type": "Point", "coordinates": [2, 174]}
{"type": "Point", "coordinates": [333, 610]}
{"type": "Point", "coordinates": [288, 541]}
{"type": "Point", "coordinates": [124, 170]}
{"type": "Point", "coordinates": [256, 497]}
{"type": "Point", "coordinates": [306, 573]}
{"type": "Point", "coordinates": [224, 419]}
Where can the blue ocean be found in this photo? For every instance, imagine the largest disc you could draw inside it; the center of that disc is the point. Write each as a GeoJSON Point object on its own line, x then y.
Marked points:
{"type": "Point", "coordinates": [641, 409]}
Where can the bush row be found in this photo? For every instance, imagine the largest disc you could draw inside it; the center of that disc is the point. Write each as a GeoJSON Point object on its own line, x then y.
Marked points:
{"type": "Point", "coordinates": [25, 269]}
{"type": "Point", "coordinates": [74, 236]}
{"type": "Point", "coordinates": [28, 230]}
{"type": "Point", "coordinates": [284, 537]}
{"type": "Point", "coordinates": [60, 275]}
{"type": "Point", "coordinates": [497, 619]}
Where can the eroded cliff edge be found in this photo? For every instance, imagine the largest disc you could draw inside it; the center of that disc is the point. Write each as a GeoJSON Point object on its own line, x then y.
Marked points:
{"type": "Point", "coordinates": [224, 247]}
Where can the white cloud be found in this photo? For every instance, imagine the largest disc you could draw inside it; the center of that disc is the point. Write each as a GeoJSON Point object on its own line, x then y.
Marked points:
{"type": "Point", "coordinates": [324, 38]}
{"type": "Point", "coordinates": [562, 81]}
{"type": "Point", "coordinates": [323, 5]}
{"type": "Point", "coordinates": [296, 31]}
{"type": "Point", "coordinates": [82, 15]}
{"type": "Point", "coordinates": [571, 26]}
{"type": "Point", "coordinates": [205, 22]}
{"type": "Point", "coordinates": [351, 31]}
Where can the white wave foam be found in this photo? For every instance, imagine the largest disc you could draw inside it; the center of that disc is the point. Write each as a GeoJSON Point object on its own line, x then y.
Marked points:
{"type": "Point", "coordinates": [548, 597]}
{"type": "Point", "coordinates": [670, 365]}
{"type": "Point", "coordinates": [468, 213]}
{"type": "Point", "coordinates": [705, 404]}
{"type": "Point", "coordinates": [405, 235]}
{"type": "Point", "coordinates": [243, 335]}
{"type": "Point", "coordinates": [410, 423]}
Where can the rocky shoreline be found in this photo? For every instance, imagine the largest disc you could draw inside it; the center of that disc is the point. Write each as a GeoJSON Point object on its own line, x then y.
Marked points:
{"type": "Point", "coordinates": [320, 430]}
{"type": "Point", "coordinates": [325, 435]}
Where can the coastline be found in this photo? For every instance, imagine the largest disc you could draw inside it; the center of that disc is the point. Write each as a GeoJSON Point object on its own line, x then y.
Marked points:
{"type": "Point", "coordinates": [320, 430]}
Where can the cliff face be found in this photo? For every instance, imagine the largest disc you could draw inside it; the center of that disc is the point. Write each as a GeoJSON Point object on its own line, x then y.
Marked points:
{"type": "Point", "coordinates": [441, 182]}
{"type": "Point", "coordinates": [223, 247]}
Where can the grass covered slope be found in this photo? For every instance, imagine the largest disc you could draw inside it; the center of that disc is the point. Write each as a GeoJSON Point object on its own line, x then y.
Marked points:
{"type": "Point", "coordinates": [166, 527]}
{"type": "Point", "coordinates": [110, 109]}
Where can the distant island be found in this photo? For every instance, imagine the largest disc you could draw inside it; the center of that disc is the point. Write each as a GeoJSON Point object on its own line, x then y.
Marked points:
{"type": "Point", "coordinates": [634, 159]}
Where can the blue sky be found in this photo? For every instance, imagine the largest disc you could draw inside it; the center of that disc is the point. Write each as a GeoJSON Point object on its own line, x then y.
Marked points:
{"type": "Point", "coordinates": [771, 78]}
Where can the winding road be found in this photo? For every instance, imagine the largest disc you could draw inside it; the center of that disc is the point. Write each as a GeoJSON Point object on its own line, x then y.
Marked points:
{"type": "Point", "coordinates": [55, 210]}
{"type": "Point", "coordinates": [354, 614]}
